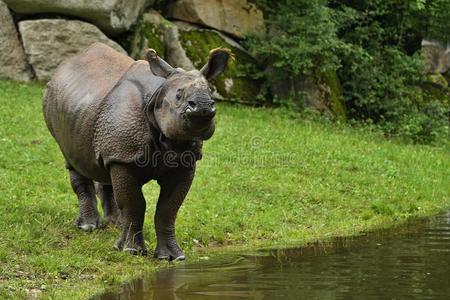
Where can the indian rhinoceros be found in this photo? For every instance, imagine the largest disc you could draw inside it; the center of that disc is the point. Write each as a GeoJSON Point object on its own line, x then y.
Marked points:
{"type": "Point", "coordinates": [120, 123]}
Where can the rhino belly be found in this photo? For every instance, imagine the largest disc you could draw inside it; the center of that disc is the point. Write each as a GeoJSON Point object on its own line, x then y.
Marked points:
{"type": "Point", "coordinates": [71, 121]}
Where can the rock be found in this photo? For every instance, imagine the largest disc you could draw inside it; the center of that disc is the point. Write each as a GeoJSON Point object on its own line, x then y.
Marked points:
{"type": "Point", "coordinates": [437, 57]}
{"type": "Point", "coordinates": [281, 86]}
{"type": "Point", "coordinates": [176, 54]}
{"type": "Point", "coordinates": [187, 46]}
{"type": "Point", "coordinates": [322, 93]}
{"type": "Point", "coordinates": [236, 17]}
{"type": "Point", "coordinates": [438, 79]}
{"type": "Point", "coordinates": [153, 31]}
{"type": "Point", "coordinates": [112, 16]}
{"type": "Point", "coordinates": [447, 76]}
{"type": "Point", "coordinates": [238, 83]}
{"type": "Point", "coordinates": [313, 93]}
{"type": "Point", "coordinates": [436, 93]}
{"type": "Point", "coordinates": [13, 64]}
{"type": "Point", "coordinates": [334, 94]}
{"type": "Point", "coordinates": [48, 42]}
{"type": "Point", "coordinates": [148, 33]}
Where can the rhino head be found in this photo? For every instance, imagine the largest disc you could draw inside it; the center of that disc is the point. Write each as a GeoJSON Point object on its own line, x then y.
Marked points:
{"type": "Point", "coordinates": [182, 108]}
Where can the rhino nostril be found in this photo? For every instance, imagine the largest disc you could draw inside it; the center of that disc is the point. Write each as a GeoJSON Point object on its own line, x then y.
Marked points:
{"type": "Point", "coordinates": [192, 104]}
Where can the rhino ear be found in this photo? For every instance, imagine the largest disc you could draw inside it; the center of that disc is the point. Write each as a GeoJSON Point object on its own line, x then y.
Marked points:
{"type": "Point", "coordinates": [218, 61]}
{"type": "Point", "coordinates": [157, 65]}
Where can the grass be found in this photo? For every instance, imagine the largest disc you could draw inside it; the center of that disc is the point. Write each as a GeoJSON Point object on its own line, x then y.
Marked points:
{"type": "Point", "coordinates": [266, 179]}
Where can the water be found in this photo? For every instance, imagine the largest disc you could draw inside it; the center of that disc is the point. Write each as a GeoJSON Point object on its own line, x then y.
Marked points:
{"type": "Point", "coordinates": [411, 262]}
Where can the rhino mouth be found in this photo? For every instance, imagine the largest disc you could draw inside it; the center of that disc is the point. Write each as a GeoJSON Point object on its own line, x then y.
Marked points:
{"type": "Point", "coordinates": [200, 128]}
{"type": "Point", "coordinates": [199, 115]}
{"type": "Point", "coordinates": [198, 124]}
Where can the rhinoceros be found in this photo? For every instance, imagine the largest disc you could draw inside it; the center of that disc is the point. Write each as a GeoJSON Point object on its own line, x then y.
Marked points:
{"type": "Point", "coordinates": [119, 124]}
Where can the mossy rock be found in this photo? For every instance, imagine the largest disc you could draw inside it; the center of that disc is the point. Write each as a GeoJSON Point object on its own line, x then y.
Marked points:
{"type": "Point", "coordinates": [238, 83]}
{"type": "Point", "coordinates": [447, 76]}
{"type": "Point", "coordinates": [438, 79]}
{"type": "Point", "coordinates": [436, 89]}
{"type": "Point", "coordinates": [335, 97]}
{"type": "Point", "coordinates": [436, 93]}
{"type": "Point", "coordinates": [321, 92]}
{"type": "Point", "coordinates": [148, 33]}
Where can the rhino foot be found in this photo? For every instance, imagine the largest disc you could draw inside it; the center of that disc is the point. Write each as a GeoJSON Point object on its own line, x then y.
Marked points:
{"type": "Point", "coordinates": [113, 219]}
{"type": "Point", "coordinates": [88, 224]}
{"type": "Point", "coordinates": [131, 247]}
{"type": "Point", "coordinates": [169, 251]}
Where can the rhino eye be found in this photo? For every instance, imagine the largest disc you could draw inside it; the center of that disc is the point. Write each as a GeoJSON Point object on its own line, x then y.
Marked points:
{"type": "Point", "coordinates": [179, 94]}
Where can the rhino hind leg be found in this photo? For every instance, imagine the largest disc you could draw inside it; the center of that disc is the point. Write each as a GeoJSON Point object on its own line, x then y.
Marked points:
{"type": "Point", "coordinates": [83, 187]}
{"type": "Point", "coordinates": [111, 212]}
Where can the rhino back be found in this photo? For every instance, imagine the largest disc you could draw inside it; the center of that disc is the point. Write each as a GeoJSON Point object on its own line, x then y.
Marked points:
{"type": "Point", "coordinates": [73, 101]}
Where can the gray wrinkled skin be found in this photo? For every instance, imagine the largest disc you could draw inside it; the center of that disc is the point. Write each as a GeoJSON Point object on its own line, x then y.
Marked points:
{"type": "Point", "coordinates": [114, 120]}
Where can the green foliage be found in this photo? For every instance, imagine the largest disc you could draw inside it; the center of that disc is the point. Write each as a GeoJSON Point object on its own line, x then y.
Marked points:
{"type": "Point", "coordinates": [302, 37]}
{"type": "Point", "coordinates": [265, 179]}
{"type": "Point", "coordinates": [435, 19]}
{"type": "Point", "coordinates": [383, 83]}
{"type": "Point", "coordinates": [374, 47]}
{"type": "Point", "coordinates": [429, 125]}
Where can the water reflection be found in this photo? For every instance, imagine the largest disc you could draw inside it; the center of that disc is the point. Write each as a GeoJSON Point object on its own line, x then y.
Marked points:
{"type": "Point", "coordinates": [412, 262]}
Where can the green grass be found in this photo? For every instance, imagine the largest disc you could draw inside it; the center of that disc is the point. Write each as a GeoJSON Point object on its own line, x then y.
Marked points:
{"type": "Point", "coordinates": [266, 179]}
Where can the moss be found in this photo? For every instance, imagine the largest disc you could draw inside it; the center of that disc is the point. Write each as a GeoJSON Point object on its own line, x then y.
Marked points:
{"type": "Point", "coordinates": [447, 76]}
{"type": "Point", "coordinates": [336, 99]}
{"type": "Point", "coordinates": [438, 79]}
{"type": "Point", "coordinates": [237, 83]}
{"type": "Point", "coordinates": [146, 35]}
{"type": "Point", "coordinates": [436, 93]}
{"type": "Point", "coordinates": [155, 38]}
{"type": "Point", "coordinates": [436, 88]}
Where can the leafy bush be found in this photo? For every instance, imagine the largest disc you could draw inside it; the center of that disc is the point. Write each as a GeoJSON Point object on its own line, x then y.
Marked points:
{"type": "Point", "coordinates": [436, 20]}
{"type": "Point", "coordinates": [295, 45]}
{"type": "Point", "coordinates": [374, 46]}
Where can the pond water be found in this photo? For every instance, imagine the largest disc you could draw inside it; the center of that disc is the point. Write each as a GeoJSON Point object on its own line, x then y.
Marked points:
{"type": "Point", "coordinates": [410, 262]}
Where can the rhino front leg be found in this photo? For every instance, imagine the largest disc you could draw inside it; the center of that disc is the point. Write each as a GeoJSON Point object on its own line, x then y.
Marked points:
{"type": "Point", "coordinates": [130, 200]}
{"type": "Point", "coordinates": [88, 218]}
{"type": "Point", "coordinates": [111, 211]}
{"type": "Point", "coordinates": [174, 189]}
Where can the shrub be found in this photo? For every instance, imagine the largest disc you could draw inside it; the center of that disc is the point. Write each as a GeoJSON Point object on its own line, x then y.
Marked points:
{"type": "Point", "coordinates": [374, 46]}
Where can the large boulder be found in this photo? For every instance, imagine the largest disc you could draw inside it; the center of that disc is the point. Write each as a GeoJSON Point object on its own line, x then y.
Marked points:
{"type": "Point", "coordinates": [238, 83]}
{"type": "Point", "coordinates": [447, 76]}
{"type": "Point", "coordinates": [235, 17]}
{"type": "Point", "coordinates": [48, 42]}
{"type": "Point", "coordinates": [148, 33]}
{"type": "Point", "coordinates": [438, 80]}
{"type": "Point", "coordinates": [187, 46]}
{"type": "Point", "coordinates": [154, 31]}
{"type": "Point", "coordinates": [175, 52]}
{"type": "Point", "coordinates": [112, 16]}
{"type": "Point", "coordinates": [13, 64]}
{"type": "Point", "coordinates": [437, 57]}
{"type": "Point", "coordinates": [320, 92]}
